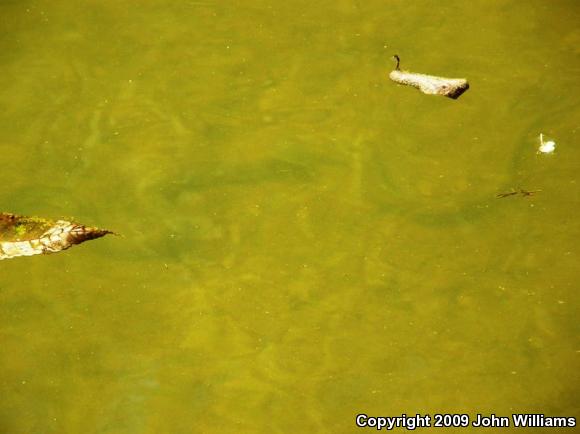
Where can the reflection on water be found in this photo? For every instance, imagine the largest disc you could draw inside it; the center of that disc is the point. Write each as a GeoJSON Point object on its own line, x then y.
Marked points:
{"type": "Point", "coordinates": [304, 240]}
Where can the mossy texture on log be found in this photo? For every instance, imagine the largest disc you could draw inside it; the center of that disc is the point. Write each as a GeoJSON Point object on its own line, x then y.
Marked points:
{"type": "Point", "coordinates": [430, 84]}
{"type": "Point", "coordinates": [27, 236]}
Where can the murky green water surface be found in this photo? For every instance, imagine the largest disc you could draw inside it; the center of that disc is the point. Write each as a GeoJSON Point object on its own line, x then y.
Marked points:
{"type": "Point", "coordinates": [304, 240]}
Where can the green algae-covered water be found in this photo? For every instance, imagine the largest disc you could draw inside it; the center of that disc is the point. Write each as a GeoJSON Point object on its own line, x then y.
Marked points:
{"type": "Point", "coordinates": [303, 239]}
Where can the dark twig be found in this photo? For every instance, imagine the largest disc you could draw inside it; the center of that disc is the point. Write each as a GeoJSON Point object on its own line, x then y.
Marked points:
{"type": "Point", "coordinates": [522, 192]}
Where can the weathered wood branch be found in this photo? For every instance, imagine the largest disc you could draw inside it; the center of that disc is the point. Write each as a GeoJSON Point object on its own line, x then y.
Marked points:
{"type": "Point", "coordinates": [430, 84]}
{"type": "Point", "coordinates": [27, 236]}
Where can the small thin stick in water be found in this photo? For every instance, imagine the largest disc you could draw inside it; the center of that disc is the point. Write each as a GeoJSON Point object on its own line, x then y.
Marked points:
{"type": "Point", "coordinates": [522, 192]}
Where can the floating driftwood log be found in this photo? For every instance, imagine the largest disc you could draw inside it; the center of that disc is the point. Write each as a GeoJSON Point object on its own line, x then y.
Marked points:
{"type": "Point", "coordinates": [430, 84]}
{"type": "Point", "coordinates": [27, 236]}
